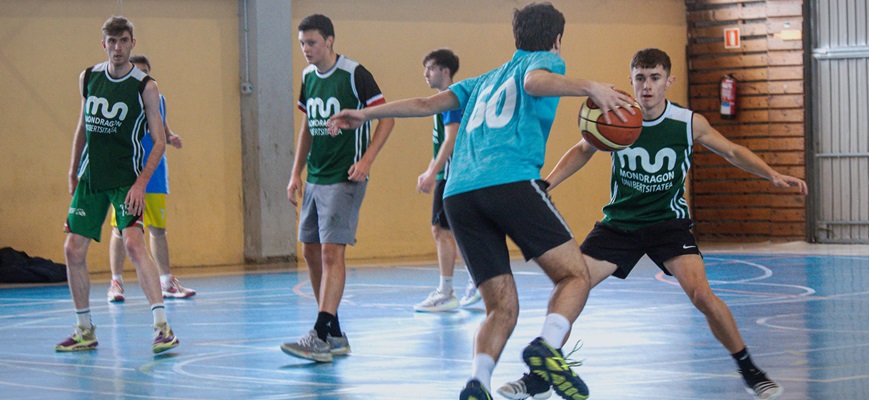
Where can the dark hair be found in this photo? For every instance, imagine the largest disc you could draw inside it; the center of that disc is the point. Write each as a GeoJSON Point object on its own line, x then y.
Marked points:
{"type": "Point", "coordinates": [115, 26]}
{"type": "Point", "coordinates": [444, 58]}
{"type": "Point", "coordinates": [651, 58]}
{"type": "Point", "coordinates": [537, 26]}
{"type": "Point", "coordinates": [140, 59]}
{"type": "Point", "coordinates": [319, 22]}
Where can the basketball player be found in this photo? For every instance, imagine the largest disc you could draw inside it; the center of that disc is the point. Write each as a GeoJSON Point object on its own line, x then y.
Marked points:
{"type": "Point", "coordinates": [107, 168]}
{"type": "Point", "coordinates": [337, 177]}
{"type": "Point", "coordinates": [494, 191]}
{"type": "Point", "coordinates": [643, 218]}
{"type": "Point", "coordinates": [154, 215]}
{"type": "Point", "coordinates": [440, 66]}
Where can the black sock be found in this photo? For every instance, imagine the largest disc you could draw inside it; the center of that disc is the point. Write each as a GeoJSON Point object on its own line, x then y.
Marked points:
{"type": "Point", "coordinates": [327, 324]}
{"type": "Point", "coordinates": [749, 371]}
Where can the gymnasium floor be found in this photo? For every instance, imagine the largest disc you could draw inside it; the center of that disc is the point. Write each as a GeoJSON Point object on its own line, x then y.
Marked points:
{"type": "Point", "coordinates": [803, 310]}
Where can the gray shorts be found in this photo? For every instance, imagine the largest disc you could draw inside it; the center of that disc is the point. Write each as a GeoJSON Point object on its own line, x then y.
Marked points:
{"type": "Point", "coordinates": [330, 213]}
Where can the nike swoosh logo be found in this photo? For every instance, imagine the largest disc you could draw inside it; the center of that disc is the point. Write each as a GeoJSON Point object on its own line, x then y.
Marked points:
{"type": "Point", "coordinates": [685, 246]}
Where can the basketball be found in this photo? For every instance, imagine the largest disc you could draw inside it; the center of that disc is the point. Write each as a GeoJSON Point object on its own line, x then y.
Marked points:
{"type": "Point", "coordinates": [609, 137]}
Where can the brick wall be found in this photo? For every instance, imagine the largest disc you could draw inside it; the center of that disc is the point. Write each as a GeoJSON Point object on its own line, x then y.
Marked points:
{"type": "Point", "coordinates": [729, 203]}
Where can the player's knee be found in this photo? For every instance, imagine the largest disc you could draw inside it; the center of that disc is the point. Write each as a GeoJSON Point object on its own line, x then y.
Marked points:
{"type": "Point", "coordinates": [440, 233]}
{"type": "Point", "coordinates": [333, 254]}
{"type": "Point", "coordinates": [75, 254]}
{"type": "Point", "coordinates": [703, 299]}
{"type": "Point", "coordinates": [135, 247]}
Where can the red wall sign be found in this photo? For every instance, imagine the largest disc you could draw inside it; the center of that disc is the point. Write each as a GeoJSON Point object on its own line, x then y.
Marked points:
{"type": "Point", "coordinates": [731, 38]}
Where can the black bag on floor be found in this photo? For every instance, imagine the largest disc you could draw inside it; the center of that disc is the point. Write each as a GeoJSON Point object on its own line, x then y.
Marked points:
{"type": "Point", "coordinates": [18, 267]}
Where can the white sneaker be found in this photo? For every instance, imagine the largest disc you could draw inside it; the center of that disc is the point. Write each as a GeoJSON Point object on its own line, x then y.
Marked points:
{"type": "Point", "coordinates": [472, 295]}
{"type": "Point", "coordinates": [437, 302]}
{"type": "Point", "coordinates": [175, 290]}
{"type": "Point", "coordinates": [116, 291]}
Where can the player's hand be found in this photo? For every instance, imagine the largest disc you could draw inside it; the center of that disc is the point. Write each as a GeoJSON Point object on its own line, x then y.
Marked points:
{"type": "Point", "coordinates": [425, 182]}
{"type": "Point", "coordinates": [346, 119]}
{"type": "Point", "coordinates": [294, 188]}
{"type": "Point", "coordinates": [785, 181]}
{"type": "Point", "coordinates": [358, 172]}
{"type": "Point", "coordinates": [608, 99]}
{"type": "Point", "coordinates": [175, 141]}
{"type": "Point", "coordinates": [72, 183]}
{"type": "Point", "coordinates": [135, 200]}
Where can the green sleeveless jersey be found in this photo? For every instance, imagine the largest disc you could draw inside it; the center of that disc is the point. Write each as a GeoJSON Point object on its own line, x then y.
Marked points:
{"type": "Point", "coordinates": [648, 178]}
{"type": "Point", "coordinates": [114, 120]}
{"type": "Point", "coordinates": [348, 85]}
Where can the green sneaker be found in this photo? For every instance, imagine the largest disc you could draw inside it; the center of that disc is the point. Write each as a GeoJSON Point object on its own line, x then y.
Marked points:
{"type": "Point", "coordinates": [549, 364]}
{"type": "Point", "coordinates": [475, 390]}
{"type": "Point", "coordinates": [82, 339]}
{"type": "Point", "coordinates": [164, 338]}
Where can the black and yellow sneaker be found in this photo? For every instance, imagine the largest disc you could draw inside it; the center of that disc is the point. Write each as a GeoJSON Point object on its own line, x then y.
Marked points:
{"type": "Point", "coordinates": [548, 363]}
{"type": "Point", "coordinates": [475, 390]}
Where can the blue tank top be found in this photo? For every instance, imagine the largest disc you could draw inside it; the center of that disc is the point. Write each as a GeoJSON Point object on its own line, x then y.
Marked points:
{"type": "Point", "coordinates": [159, 182]}
{"type": "Point", "coordinates": [502, 138]}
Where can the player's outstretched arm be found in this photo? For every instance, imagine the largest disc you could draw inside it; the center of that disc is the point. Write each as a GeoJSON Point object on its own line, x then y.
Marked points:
{"type": "Point", "coordinates": [416, 107]}
{"type": "Point", "coordinates": [543, 83]}
{"type": "Point", "coordinates": [572, 160]}
{"type": "Point", "coordinates": [740, 156]}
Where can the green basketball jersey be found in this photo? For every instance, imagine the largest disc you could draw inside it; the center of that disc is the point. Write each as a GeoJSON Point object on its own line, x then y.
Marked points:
{"type": "Point", "coordinates": [348, 85]}
{"type": "Point", "coordinates": [114, 119]}
{"type": "Point", "coordinates": [648, 178]}
{"type": "Point", "coordinates": [439, 135]}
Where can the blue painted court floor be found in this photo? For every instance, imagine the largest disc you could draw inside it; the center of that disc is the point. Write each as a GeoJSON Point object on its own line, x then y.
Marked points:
{"type": "Point", "coordinates": [805, 319]}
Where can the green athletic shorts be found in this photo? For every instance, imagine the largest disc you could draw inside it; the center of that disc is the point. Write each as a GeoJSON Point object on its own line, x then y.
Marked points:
{"type": "Point", "coordinates": [88, 209]}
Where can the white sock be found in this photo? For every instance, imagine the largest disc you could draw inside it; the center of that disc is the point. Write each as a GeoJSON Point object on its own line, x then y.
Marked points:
{"type": "Point", "coordinates": [446, 285]}
{"type": "Point", "coordinates": [159, 312]}
{"type": "Point", "coordinates": [119, 278]}
{"type": "Point", "coordinates": [555, 328]}
{"type": "Point", "coordinates": [165, 279]}
{"type": "Point", "coordinates": [483, 366]}
{"type": "Point", "coordinates": [83, 318]}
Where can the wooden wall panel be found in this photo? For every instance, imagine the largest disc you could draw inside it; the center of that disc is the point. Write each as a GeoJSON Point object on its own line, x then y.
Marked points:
{"type": "Point", "coordinates": [728, 203]}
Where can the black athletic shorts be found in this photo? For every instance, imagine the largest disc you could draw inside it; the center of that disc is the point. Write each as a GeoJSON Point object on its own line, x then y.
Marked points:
{"type": "Point", "coordinates": [482, 220]}
{"type": "Point", "coordinates": [662, 242]}
{"type": "Point", "coordinates": [438, 214]}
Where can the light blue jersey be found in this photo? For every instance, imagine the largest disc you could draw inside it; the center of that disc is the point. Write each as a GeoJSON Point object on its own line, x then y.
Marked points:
{"type": "Point", "coordinates": [159, 182]}
{"type": "Point", "coordinates": [502, 138]}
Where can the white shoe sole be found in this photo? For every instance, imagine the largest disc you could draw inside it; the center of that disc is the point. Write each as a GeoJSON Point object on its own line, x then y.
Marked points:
{"type": "Point", "coordinates": [449, 306]}
{"type": "Point", "coordinates": [318, 357]}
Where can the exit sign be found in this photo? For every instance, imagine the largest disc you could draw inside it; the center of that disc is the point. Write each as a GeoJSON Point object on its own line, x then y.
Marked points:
{"type": "Point", "coordinates": [731, 38]}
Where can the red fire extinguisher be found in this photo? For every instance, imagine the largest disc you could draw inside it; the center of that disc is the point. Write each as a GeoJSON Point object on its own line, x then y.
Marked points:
{"type": "Point", "coordinates": [727, 93]}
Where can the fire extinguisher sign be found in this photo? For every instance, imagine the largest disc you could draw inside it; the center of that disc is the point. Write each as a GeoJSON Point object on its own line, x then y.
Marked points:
{"type": "Point", "coordinates": [731, 38]}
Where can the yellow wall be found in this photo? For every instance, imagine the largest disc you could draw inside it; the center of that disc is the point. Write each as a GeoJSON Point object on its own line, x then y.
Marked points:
{"type": "Point", "coordinates": [193, 46]}
{"type": "Point", "coordinates": [390, 37]}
